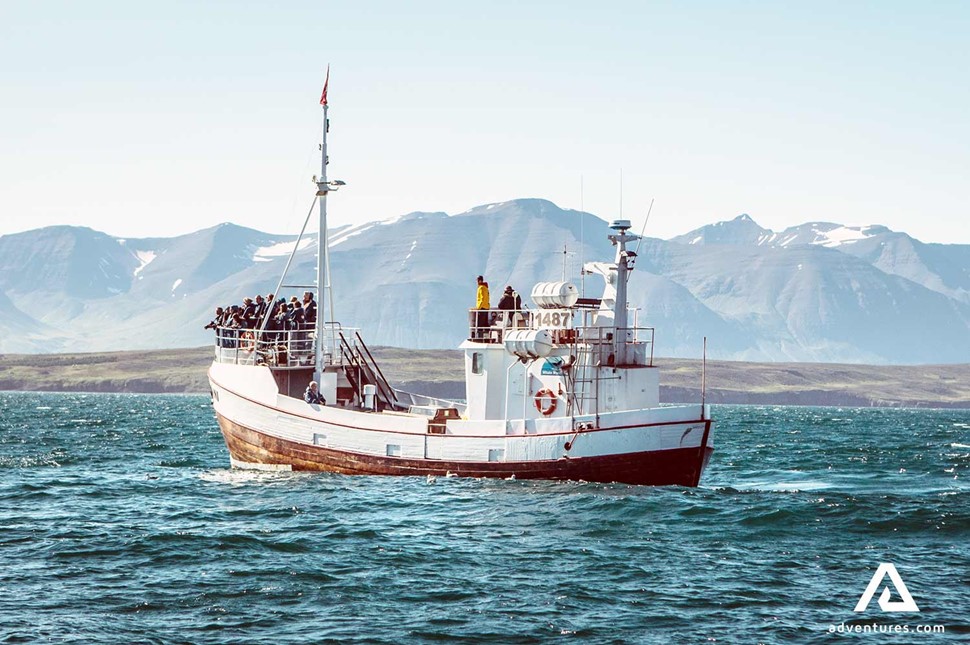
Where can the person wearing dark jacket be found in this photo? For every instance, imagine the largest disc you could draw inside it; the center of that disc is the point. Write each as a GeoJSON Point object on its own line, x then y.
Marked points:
{"type": "Point", "coordinates": [281, 315]}
{"type": "Point", "coordinates": [309, 308]}
{"type": "Point", "coordinates": [510, 300]}
{"type": "Point", "coordinates": [232, 328]}
{"type": "Point", "coordinates": [249, 313]}
{"type": "Point", "coordinates": [260, 311]}
{"type": "Point", "coordinates": [299, 315]}
{"type": "Point", "coordinates": [510, 304]}
{"type": "Point", "coordinates": [297, 322]}
{"type": "Point", "coordinates": [217, 321]}
{"type": "Point", "coordinates": [273, 325]}
{"type": "Point", "coordinates": [293, 316]}
{"type": "Point", "coordinates": [312, 395]}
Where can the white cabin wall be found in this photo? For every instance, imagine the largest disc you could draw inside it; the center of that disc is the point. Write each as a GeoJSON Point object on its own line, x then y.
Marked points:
{"type": "Point", "coordinates": [485, 392]}
{"type": "Point", "coordinates": [638, 388]}
{"type": "Point", "coordinates": [496, 363]}
{"type": "Point", "coordinates": [519, 380]}
{"type": "Point", "coordinates": [525, 383]}
{"type": "Point", "coordinates": [629, 389]}
{"type": "Point", "coordinates": [328, 387]}
{"type": "Point", "coordinates": [618, 388]}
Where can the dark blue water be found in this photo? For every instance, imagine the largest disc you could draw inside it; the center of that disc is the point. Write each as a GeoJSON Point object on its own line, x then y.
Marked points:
{"type": "Point", "coordinates": [120, 522]}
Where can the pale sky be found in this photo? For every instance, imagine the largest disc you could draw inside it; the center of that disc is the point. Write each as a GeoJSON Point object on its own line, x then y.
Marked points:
{"type": "Point", "coordinates": [155, 119]}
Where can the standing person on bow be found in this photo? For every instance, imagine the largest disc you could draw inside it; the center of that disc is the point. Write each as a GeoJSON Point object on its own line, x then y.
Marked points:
{"type": "Point", "coordinates": [482, 321]}
{"type": "Point", "coordinates": [510, 304]}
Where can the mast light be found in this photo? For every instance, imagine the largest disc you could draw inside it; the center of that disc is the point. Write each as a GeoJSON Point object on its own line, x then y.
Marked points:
{"type": "Point", "coordinates": [327, 186]}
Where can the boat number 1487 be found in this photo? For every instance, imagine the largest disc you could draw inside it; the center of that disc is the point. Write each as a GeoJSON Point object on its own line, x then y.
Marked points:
{"type": "Point", "coordinates": [553, 319]}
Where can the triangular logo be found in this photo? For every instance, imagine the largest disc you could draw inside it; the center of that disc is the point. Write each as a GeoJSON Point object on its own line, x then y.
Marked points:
{"type": "Point", "coordinates": [906, 604]}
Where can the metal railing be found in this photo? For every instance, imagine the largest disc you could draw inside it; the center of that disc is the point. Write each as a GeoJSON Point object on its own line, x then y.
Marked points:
{"type": "Point", "coordinates": [283, 348]}
{"type": "Point", "coordinates": [361, 369]}
{"type": "Point", "coordinates": [488, 325]}
{"type": "Point", "coordinates": [595, 348]}
{"type": "Point", "coordinates": [568, 327]}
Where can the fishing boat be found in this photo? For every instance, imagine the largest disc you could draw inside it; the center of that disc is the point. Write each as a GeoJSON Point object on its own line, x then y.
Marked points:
{"type": "Point", "coordinates": [565, 390]}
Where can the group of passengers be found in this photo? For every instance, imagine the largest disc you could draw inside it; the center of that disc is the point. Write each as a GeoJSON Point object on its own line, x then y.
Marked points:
{"type": "Point", "coordinates": [294, 315]}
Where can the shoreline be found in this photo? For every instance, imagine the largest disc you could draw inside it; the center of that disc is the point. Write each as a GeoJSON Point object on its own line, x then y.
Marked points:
{"type": "Point", "coordinates": [440, 373]}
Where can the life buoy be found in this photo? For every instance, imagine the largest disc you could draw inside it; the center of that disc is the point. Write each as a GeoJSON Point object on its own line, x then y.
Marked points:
{"type": "Point", "coordinates": [247, 341]}
{"type": "Point", "coordinates": [546, 401]}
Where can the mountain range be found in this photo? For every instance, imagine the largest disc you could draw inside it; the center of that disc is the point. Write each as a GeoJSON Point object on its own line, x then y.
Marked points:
{"type": "Point", "coordinates": [820, 292]}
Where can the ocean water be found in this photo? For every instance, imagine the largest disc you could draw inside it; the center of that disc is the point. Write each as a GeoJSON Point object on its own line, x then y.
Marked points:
{"type": "Point", "coordinates": [120, 522]}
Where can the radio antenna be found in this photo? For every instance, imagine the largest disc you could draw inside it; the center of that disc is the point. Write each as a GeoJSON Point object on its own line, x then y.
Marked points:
{"type": "Point", "coordinates": [621, 193]}
{"type": "Point", "coordinates": [649, 210]}
{"type": "Point", "coordinates": [582, 241]}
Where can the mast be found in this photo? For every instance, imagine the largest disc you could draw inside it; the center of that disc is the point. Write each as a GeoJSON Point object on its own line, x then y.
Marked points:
{"type": "Point", "coordinates": [622, 333]}
{"type": "Point", "coordinates": [323, 257]}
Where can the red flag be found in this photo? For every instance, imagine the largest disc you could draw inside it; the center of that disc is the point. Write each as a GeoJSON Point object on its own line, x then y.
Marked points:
{"type": "Point", "coordinates": [323, 97]}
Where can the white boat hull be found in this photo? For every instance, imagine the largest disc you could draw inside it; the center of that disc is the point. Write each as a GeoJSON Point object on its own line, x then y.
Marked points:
{"type": "Point", "coordinates": [264, 429]}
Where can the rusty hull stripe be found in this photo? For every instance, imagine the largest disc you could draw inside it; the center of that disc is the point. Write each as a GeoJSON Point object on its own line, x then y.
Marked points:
{"type": "Point", "coordinates": [678, 466]}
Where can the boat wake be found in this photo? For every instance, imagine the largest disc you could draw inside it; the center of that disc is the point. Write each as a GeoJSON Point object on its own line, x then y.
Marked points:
{"type": "Point", "coordinates": [784, 486]}
{"type": "Point", "coordinates": [236, 476]}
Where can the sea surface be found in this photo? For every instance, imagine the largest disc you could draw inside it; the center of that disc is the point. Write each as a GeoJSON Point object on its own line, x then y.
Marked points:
{"type": "Point", "coordinates": [120, 522]}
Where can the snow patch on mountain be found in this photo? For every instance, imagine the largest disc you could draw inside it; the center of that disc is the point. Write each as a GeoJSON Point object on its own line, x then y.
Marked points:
{"type": "Point", "coordinates": [280, 249]}
{"type": "Point", "coordinates": [144, 258]}
{"type": "Point", "coordinates": [410, 253]}
{"type": "Point", "coordinates": [483, 207]}
{"type": "Point", "coordinates": [841, 235]}
{"type": "Point", "coordinates": [743, 230]}
{"type": "Point", "coordinates": [349, 232]}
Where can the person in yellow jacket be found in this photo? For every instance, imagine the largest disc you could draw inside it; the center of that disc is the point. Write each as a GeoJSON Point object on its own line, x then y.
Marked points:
{"type": "Point", "coordinates": [481, 303]}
